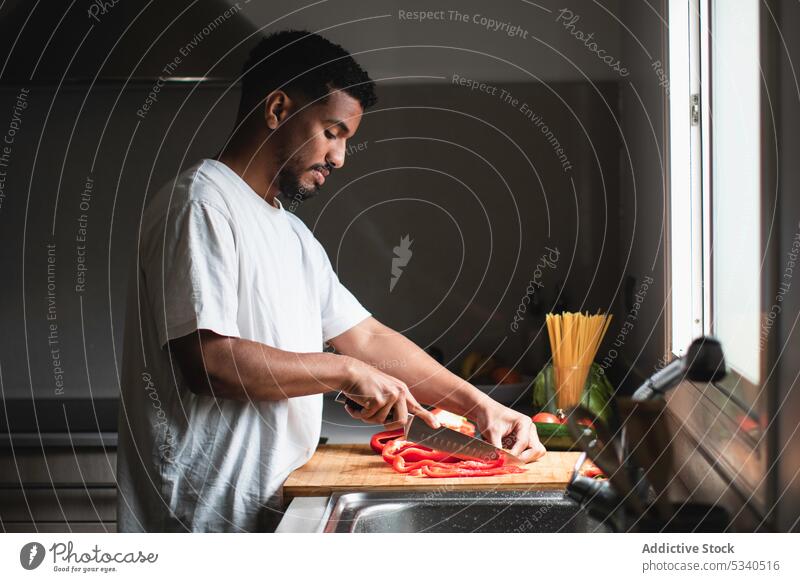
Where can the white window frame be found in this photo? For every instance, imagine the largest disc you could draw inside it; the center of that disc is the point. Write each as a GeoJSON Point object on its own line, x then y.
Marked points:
{"type": "Point", "coordinates": [690, 172]}
{"type": "Point", "coordinates": [688, 248]}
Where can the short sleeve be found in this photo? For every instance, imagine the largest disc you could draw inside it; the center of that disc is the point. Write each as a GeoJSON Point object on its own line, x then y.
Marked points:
{"type": "Point", "coordinates": [192, 273]}
{"type": "Point", "coordinates": [340, 310]}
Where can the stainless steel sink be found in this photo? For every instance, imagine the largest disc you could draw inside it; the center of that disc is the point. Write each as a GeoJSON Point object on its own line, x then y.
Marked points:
{"type": "Point", "coordinates": [473, 511]}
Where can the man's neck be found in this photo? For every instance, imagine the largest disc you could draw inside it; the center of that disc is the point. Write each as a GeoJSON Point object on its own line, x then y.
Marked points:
{"type": "Point", "coordinates": [254, 164]}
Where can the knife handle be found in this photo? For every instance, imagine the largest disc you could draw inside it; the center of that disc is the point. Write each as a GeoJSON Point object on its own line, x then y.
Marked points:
{"type": "Point", "coordinates": [343, 399]}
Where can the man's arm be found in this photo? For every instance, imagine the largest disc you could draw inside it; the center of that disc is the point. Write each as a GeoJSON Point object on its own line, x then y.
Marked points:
{"type": "Point", "coordinates": [240, 369]}
{"type": "Point", "coordinates": [229, 367]}
{"type": "Point", "coordinates": [432, 384]}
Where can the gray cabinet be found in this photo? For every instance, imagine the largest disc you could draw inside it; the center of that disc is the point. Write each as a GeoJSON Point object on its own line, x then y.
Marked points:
{"type": "Point", "coordinates": [51, 487]}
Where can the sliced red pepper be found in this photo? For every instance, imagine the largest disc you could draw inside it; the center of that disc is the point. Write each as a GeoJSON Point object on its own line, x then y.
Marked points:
{"type": "Point", "coordinates": [399, 464]}
{"type": "Point", "coordinates": [454, 421]}
{"type": "Point", "coordinates": [456, 471]}
{"type": "Point", "coordinates": [413, 452]}
{"type": "Point", "coordinates": [380, 439]}
{"type": "Point", "coordinates": [417, 460]}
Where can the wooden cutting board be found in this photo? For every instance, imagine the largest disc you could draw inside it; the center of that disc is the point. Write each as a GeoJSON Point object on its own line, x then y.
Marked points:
{"type": "Point", "coordinates": [358, 468]}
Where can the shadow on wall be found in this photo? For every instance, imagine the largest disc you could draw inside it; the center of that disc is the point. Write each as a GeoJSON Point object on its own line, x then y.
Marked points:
{"type": "Point", "coordinates": [473, 182]}
{"type": "Point", "coordinates": [460, 218]}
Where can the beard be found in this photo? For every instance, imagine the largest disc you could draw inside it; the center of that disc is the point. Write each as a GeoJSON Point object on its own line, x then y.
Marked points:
{"type": "Point", "coordinates": [289, 184]}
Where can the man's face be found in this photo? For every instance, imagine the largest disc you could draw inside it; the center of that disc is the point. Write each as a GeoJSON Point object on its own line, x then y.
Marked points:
{"type": "Point", "coordinates": [313, 143]}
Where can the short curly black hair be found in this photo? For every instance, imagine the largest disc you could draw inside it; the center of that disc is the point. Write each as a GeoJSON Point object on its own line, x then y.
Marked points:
{"type": "Point", "coordinates": [302, 61]}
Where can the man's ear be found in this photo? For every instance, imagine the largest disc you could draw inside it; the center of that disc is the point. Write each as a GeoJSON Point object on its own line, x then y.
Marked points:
{"type": "Point", "coordinates": [277, 107]}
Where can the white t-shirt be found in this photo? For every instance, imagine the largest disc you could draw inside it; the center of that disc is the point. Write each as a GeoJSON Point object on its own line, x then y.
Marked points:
{"type": "Point", "coordinates": [215, 255]}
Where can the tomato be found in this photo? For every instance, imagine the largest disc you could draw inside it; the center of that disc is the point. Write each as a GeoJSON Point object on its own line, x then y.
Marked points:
{"type": "Point", "coordinates": [586, 422]}
{"type": "Point", "coordinates": [546, 418]}
{"type": "Point", "coordinates": [591, 470]}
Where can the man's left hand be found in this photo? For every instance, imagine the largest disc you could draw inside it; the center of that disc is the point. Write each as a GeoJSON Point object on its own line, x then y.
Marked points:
{"type": "Point", "coordinates": [498, 423]}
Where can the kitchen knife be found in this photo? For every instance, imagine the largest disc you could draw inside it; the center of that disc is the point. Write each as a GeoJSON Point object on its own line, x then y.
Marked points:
{"type": "Point", "coordinates": [445, 439]}
{"type": "Point", "coordinates": [456, 443]}
{"type": "Point", "coordinates": [341, 398]}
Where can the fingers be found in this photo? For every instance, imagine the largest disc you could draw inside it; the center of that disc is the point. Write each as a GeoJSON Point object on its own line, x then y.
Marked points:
{"type": "Point", "coordinates": [380, 407]}
{"type": "Point", "coordinates": [535, 449]}
{"type": "Point", "coordinates": [395, 425]}
{"type": "Point", "coordinates": [365, 414]}
{"type": "Point", "coordinates": [526, 445]}
{"type": "Point", "coordinates": [399, 416]}
{"type": "Point", "coordinates": [378, 416]}
{"type": "Point", "coordinates": [417, 410]}
{"type": "Point", "coordinates": [534, 453]}
{"type": "Point", "coordinates": [401, 410]}
{"type": "Point", "coordinates": [363, 401]}
{"type": "Point", "coordinates": [351, 412]}
{"type": "Point", "coordinates": [383, 396]}
{"type": "Point", "coordinates": [521, 434]}
{"type": "Point", "coordinates": [492, 436]}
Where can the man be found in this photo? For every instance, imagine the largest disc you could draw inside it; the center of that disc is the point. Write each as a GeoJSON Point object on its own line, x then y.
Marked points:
{"type": "Point", "coordinates": [232, 300]}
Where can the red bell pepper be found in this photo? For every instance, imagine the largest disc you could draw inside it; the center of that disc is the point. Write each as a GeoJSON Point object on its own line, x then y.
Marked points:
{"type": "Point", "coordinates": [419, 461]}
{"type": "Point", "coordinates": [455, 471]}
{"type": "Point", "coordinates": [380, 439]}
{"type": "Point", "coordinates": [454, 421]}
{"type": "Point", "coordinates": [412, 453]}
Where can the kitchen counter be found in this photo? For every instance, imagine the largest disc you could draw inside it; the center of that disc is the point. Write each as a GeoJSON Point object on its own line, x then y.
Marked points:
{"type": "Point", "coordinates": [304, 515]}
{"type": "Point", "coordinates": [343, 468]}
{"type": "Point", "coordinates": [355, 468]}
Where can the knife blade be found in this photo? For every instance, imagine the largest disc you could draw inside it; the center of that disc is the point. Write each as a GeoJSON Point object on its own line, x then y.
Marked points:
{"type": "Point", "coordinates": [456, 443]}
{"type": "Point", "coordinates": [444, 439]}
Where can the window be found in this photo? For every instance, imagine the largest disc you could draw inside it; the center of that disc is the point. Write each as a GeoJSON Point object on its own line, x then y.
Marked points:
{"type": "Point", "coordinates": [715, 197]}
{"type": "Point", "coordinates": [735, 184]}
{"type": "Point", "coordinates": [686, 243]}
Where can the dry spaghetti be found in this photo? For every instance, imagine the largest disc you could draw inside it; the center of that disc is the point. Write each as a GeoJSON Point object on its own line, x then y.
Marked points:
{"type": "Point", "coordinates": [574, 341]}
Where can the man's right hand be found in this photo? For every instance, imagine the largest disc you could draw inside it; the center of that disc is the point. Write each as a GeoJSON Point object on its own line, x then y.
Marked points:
{"type": "Point", "coordinates": [382, 396]}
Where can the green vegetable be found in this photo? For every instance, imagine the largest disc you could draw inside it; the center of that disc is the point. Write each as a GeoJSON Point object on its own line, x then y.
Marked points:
{"type": "Point", "coordinates": [555, 436]}
{"type": "Point", "coordinates": [597, 393]}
